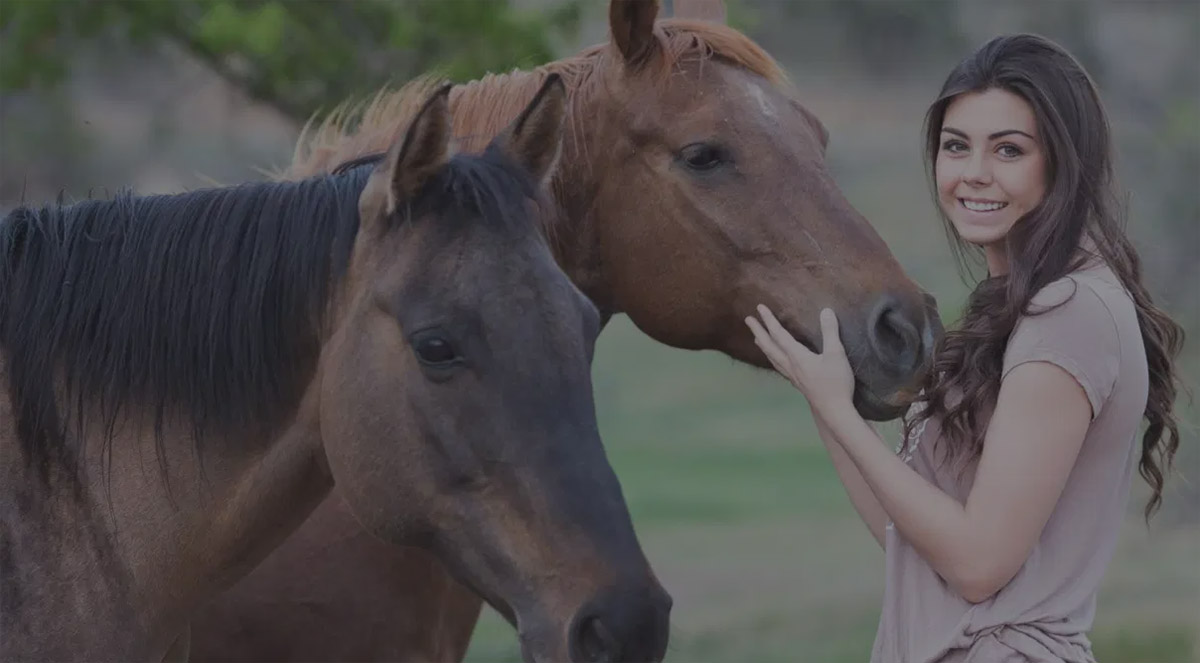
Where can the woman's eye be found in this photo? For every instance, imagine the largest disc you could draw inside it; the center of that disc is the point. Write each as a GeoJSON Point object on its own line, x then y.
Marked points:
{"type": "Point", "coordinates": [702, 156]}
{"type": "Point", "coordinates": [954, 146]}
{"type": "Point", "coordinates": [1009, 151]}
{"type": "Point", "coordinates": [435, 351]}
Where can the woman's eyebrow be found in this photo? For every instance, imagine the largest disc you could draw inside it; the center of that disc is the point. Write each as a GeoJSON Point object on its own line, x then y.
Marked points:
{"type": "Point", "coordinates": [998, 134]}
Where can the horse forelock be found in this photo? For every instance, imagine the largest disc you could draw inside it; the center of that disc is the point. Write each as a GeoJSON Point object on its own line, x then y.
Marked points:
{"type": "Point", "coordinates": [685, 40]}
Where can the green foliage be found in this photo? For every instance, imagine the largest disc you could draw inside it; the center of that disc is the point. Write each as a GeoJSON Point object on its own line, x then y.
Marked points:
{"type": "Point", "coordinates": [298, 55]}
{"type": "Point", "coordinates": [742, 16]}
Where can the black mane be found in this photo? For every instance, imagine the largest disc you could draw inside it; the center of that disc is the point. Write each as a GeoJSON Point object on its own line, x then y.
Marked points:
{"type": "Point", "coordinates": [205, 304]}
{"type": "Point", "coordinates": [207, 307]}
{"type": "Point", "coordinates": [489, 188]}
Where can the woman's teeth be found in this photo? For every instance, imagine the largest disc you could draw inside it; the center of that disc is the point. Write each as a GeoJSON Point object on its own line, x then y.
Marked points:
{"type": "Point", "coordinates": [982, 207]}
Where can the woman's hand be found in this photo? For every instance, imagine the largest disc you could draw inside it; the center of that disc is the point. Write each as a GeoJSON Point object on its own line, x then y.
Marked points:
{"type": "Point", "coordinates": [825, 379]}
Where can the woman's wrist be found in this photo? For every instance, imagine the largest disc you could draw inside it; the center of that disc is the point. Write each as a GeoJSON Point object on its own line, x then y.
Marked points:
{"type": "Point", "coordinates": [841, 420]}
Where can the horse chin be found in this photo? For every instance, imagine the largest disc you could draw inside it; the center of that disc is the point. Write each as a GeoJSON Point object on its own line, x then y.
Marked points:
{"type": "Point", "coordinates": [536, 645]}
{"type": "Point", "coordinates": [867, 402]}
{"type": "Point", "coordinates": [873, 408]}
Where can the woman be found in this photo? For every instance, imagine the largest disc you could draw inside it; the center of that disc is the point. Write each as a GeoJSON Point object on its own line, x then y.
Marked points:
{"type": "Point", "coordinates": [1001, 511]}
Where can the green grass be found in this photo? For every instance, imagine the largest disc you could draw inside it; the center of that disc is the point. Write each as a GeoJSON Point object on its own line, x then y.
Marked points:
{"type": "Point", "coordinates": [1149, 644]}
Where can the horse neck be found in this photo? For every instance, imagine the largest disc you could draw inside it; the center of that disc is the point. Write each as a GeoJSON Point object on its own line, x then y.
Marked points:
{"type": "Point", "coordinates": [140, 553]}
{"type": "Point", "coordinates": [141, 544]}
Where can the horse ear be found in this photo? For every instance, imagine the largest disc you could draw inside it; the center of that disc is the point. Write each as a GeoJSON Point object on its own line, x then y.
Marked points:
{"type": "Point", "coordinates": [424, 150]}
{"type": "Point", "coordinates": [702, 10]}
{"type": "Point", "coordinates": [632, 25]}
{"type": "Point", "coordinates": [534, 139]}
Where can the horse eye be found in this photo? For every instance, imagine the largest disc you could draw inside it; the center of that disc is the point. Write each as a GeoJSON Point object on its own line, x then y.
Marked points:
{"type": "Point", "coordinates": [435, 351]}
{"type": "Point", "coordinates": [702, 156]}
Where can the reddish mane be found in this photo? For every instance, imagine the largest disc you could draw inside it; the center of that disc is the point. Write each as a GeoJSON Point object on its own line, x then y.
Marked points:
{"type": "Point", "coordinates": [483, 107]}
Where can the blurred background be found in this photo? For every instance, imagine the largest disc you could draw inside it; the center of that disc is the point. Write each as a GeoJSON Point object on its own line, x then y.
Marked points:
{"type": "Point", "coordinates": [734, 498]}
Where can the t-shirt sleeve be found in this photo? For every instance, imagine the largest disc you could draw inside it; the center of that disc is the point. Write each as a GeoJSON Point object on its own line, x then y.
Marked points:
{"type": "Point", "coordinates": [1079, 336]}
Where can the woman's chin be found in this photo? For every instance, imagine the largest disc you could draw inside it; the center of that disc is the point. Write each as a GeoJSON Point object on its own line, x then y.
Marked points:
{"type": "Point", "coordinates": [981, 235]}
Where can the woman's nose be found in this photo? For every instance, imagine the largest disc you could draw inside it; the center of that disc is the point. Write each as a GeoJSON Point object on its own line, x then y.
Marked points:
{"type": "Point", "coordinates": [977, 170]}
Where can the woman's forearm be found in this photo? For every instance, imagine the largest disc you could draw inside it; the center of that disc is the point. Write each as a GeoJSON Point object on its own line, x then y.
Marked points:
{"type": "Point", "coordinates": [861, 496]}
{"type": "Point", "coordinates": [933, 522]}
{"type": "Point", "coordinates": [1040, 421]}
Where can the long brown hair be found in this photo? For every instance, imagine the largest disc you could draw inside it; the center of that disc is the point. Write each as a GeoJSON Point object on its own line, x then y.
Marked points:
{"type": "Point", "coordinates": [1080, 204]}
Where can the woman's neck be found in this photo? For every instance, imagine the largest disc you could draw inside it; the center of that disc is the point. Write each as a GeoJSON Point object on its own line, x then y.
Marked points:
{"type": "Point", "coordinates": [996, 256]}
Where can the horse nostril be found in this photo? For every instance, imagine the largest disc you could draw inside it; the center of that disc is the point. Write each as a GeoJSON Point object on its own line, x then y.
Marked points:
{"type": "Point", "coordinates": [893, 336]}
{"type": "Point", "coordinates": [888, 334]}
{"type": "Point", "coordinates": [627, 622]}
{"type": "Point", "coordinates": [593, 642]}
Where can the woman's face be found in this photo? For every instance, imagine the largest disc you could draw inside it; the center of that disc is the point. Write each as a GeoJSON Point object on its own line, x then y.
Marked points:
{"type": "Point", "coordinates": [990, 167]}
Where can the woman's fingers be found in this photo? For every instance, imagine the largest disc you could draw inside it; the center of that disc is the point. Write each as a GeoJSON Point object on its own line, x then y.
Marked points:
{"type": "Point", "coordinates": [830, 339]}
{"type": "Point", "coordinates": [762, 338]}
{"type": "Point", "coordinates": [782, 337]}
{"type": "Point", "coordinates": [756, 328]}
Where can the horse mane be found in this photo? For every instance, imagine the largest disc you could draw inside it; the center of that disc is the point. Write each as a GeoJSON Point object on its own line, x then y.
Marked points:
{"type": "Point", "coordinates": [488, 189]}
{"type": "Point", "coordinates": [207, 307]}
{"type": "Point", "coordinates": [484, 107]}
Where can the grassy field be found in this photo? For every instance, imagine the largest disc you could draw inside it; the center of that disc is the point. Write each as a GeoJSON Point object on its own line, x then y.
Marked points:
{"type": "Point", "coordinates": [744, 520]}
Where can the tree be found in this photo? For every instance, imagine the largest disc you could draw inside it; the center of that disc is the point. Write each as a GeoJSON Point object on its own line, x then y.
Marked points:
{"type": "Point", "coordinates": [296, 55]}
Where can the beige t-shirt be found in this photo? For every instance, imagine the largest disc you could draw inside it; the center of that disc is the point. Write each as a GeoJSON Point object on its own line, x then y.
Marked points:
{"type": "Point", "coordinates": [1045, 612]}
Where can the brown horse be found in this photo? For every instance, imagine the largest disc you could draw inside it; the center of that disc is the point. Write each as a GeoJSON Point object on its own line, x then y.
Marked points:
{"type": "Point", "coordinates": [401, 329]}
{"type": "Point", "coordinates": [692, 187]}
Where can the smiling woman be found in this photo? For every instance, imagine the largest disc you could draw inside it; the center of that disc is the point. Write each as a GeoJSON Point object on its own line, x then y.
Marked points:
{"type": "Point", "coordinates": [991, 169]}
{"type": "Point", "coordinates": [1001, 512]}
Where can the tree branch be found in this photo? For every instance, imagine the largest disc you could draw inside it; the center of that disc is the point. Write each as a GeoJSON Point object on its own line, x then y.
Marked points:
{"type": "Point", "coordinates": [258, 88]}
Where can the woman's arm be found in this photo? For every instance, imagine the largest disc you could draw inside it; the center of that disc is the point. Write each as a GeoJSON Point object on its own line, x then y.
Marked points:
{"type": "Point", "coordinates": [1035, 434]}
{"type": "Point", "coordinates": [860, 493]}
{"type": "Point", "coordinates": [1036, 431]}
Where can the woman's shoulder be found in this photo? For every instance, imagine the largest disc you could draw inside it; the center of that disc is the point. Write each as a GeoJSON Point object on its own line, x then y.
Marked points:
{"type": "Point", "coordinates": [1071, 318]}
{"type": "Point", "coordinates": [1082, 322]}
{"type": "Point", "coordinates": [1091, 288]}
{"type": "Point", "coordinates": [1093, 295]}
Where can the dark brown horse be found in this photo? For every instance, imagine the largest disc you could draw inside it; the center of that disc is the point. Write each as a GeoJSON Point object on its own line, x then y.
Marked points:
{"type": "Point", "coordinates": [692, 186]}
{"type": "Point", "coordinates": [185, 377]}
